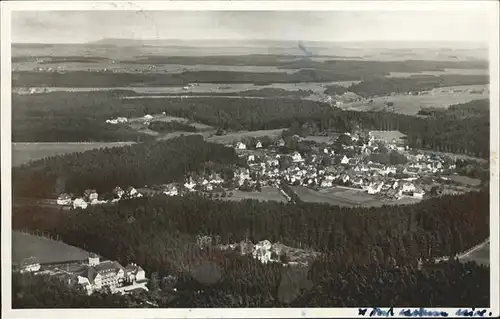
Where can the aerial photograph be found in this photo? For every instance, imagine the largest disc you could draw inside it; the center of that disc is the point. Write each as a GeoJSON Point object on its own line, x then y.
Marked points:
{"type": "Point", "coordinates": [250, 159]}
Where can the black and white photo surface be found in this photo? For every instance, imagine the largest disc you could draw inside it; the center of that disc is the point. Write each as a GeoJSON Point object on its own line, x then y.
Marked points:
{"type": "Point", "coordinates": [261, 159]}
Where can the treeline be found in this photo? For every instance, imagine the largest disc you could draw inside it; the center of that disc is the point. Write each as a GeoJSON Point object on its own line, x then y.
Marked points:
{"type": "Point", "coordinates": [172, 126]}
{"type": "Point", "coordinates": [368, 254]}
{"type": "Point", "coordinates": [71, 129]}
{"type": "Point", "coordinates": [415, 84]}
{"type": "Point", "coordinates": [373, 84]}
{"type": "Point", "coordinates": [134, 165]}
{"type": "Point", "coordinates": [468, 109]}
{"type": "Point", "coordinates": [448, 133]}
{"type": "Point", "coordinates": [299, 62]}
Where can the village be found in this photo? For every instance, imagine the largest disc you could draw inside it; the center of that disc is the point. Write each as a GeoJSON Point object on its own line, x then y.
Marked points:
{"type": "Point", "coordinates": [380, 167]}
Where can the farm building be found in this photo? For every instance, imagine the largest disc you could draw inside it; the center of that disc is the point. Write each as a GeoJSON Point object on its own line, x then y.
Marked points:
{"type": "Point", "coordinates": [79, 203]}
{"type": "Point", "coordinates": [64, 199]}
{"type": "Point", "coordinates": [30, 264]}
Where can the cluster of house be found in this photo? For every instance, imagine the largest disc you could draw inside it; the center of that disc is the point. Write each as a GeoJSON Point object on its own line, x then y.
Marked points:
{"type": "Point", "coordinates": [92, 274]}
{"type": "Point", "coordinates": [118, 120]}
{"type": "Point", "coordinates": [356, 172]}
{"type": "Point", "coordinates": [267, 252]}
{"type": "Point", "coordinates": [90, 196]}
{"type": "Point", "coordinates": [349, 167]}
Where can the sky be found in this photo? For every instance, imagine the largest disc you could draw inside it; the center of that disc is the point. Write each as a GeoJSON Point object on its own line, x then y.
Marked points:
{"type": "Point", "coordinates": [85, 26]}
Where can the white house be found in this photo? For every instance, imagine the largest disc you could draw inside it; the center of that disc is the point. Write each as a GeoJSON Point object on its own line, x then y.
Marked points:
{"type": "Point", "coordinates": [122, 120]}
{"type": "Point", "coordinates": [345, 178]}
{"type": "Point", "coordinates": [418, 193]}
{"type": "Point", "coordinates": [296, 157]}
{"type": "Point", "coordinates": [148, 117]}
{"type": "Point", "coordinates": [408, 188]}
{"type": "Point", "coordinates": [262, 251]}
{"type": "Point", "coordinates": [79, 203]}
{"type": "Point", "coordinates": [375, 188]}
{"type": "Point", "coordinates": [118, 191]}
{"type": "Point", "coordinates": [241, 146]}
{"type": "Point", "coordinates": [132, 192]}
{"type": "Point", "coordinates": [325, 151]}
{"type": "Point", "coordinates": [171, 190]}
{"type": "Point", "coordinates": [251, 158]}
{"type": "Point", "coordinates": [326, 183]}
{"type": "Point", "coordinates": [190, 184]}
{"type": "Point", "coordinates": [30, 264]}
{"type": "Point", "coordinates": [112, 121]}
{"type": "Point", "coordinates": [345, 160]}
{"type": "Point", "coordinates": [91, 195]}
{"type": "Point", "coordinates": [259, 145]}
{"type": "Point", "coordinates": [64, 199]}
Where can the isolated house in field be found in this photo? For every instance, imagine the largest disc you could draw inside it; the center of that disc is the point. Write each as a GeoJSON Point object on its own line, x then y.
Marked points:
{"type": "Point", "coordinates": [79, 203]}
{"type": "Point", "coordinates": [259, 145]}
{"type": "Point", "coordinates": [30, 264]}
{"type": "Point", "coordinates": [241, 146]}
{"type": "Point", "coordinates": [64, 199]}
{"type": "Point", "coordinates": [90, 195]}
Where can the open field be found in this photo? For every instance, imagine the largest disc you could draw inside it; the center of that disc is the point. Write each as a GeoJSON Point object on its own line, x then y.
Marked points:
{"type": "Point", "coordinates": [345, 197]}
{"type": "Point", "coordinates": [23, 153]}
{"type": "Point", "coordinates": [317, 87]}
{"type": "Point", "coordinates": [465, 180]}
{"type": "Point", "coordinates": [481, 255]}
{"type": "Point", "coordinates": [144, 68]}
{"type": "Point", "coordinates": [44, 249]}
{"type": "Point", "coordinates": [437, 73]}
{"type": "Point", "coordinates": [268, 193]}
{"type": "Point", "coordinates": [387, 136]}
{"type": "Point", "coordinates": [411, 104]}
{"type": "Point", "coordinates": [232, 137]}
{"type": "Point", "coordinates": [322, 139]}
{"type": "Point", "coordinates": [138, 121]}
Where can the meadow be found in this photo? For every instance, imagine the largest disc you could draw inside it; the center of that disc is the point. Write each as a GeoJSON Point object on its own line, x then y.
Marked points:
{"type": "Point", "coordinates": [345, 197]}
{"type": "Point", "coordinates": [411, 104]}
{"type": "Point", "coordinates": [233, 137]}
{"type": "Point", "coordinates": [43, 249]}
{"type": "Point", "coordinates": [268, 193]}
{"type": "Point", "coordinates": [23, 153]}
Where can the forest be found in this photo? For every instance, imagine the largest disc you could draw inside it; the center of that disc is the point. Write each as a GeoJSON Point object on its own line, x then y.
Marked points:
{"type": "Point", "coordinates": [449, 132]}
{"type": "Point", "coordinates": [369, 254]}
{"type": "Point", "coordinates": [414, 84]}
{"type": "Point", "coordinates": [373, 83]}
{"type": "Point", "coordinates": [150, 163]}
